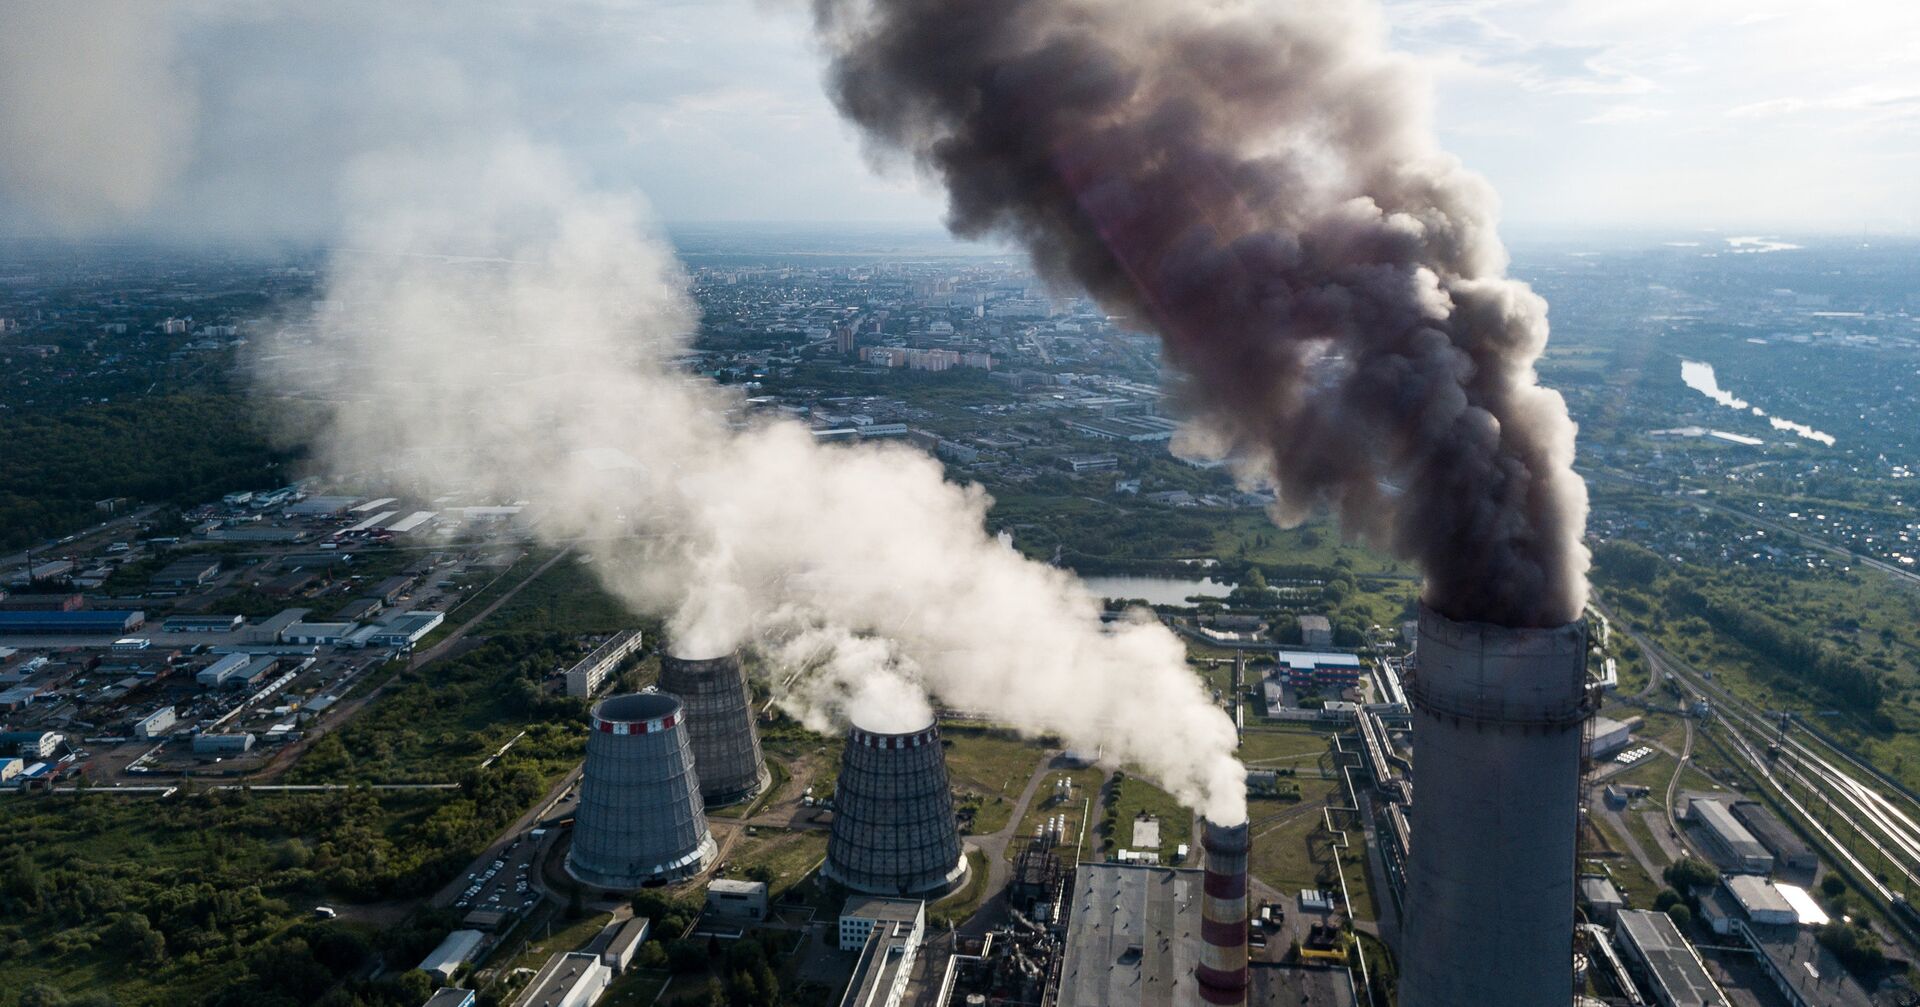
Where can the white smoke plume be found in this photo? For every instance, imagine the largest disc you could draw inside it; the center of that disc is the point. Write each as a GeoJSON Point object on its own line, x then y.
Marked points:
{"type": "Point", "coordinates": [502, 332]}
{"type": "Point", "coordinates": [95, 117]}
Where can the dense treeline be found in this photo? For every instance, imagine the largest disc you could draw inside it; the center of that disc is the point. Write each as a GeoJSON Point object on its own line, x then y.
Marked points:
{"type": "Point", "coordinates": [1858, 689]}
{"type": "Point", "coordinates": [200, 898]}
{"type": "Point", "coordinates": [180, 449]}
{"type": "Point", "coordinates": [435, 722]}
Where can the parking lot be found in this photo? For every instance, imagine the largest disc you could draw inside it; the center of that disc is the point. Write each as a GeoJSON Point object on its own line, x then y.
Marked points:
{"type": "Point", "coordinates": [503, 884]}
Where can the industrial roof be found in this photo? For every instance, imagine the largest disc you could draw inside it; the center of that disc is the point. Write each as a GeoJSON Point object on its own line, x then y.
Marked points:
{"type": "Point", "coordinates": [1808, 911]}
{"type": "Point", "coordinates": [1133, 937]}
{"type": "Point", "coordinates": [881, 960]}
{"type": "Point", "coordinates": [733, 886]}
{"type": "Point", "coordinates": [1796, 956]}
{"type": "Point", "coordinates": [1599, 890]}
{"type": "Point", "coordinates": [873, 907]}
{"type": "Point", "coordinates": [1307, 660]}
{"type": "Point", "coordinates": [452, 952]}
{"type": "Point", "coordinates": [559, 978]}
{"type": "Point", "coordinates": [1757, 895]}
{"type": "Point", "coordinates": [84, 621]}
{"type": "Point", "coordinates": [1717, 817]}
{"type": "Point", "coordinates": [1671, 962]}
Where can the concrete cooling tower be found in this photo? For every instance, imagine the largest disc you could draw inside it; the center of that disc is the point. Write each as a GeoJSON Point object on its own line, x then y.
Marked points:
{"type": "Point", "coordinates": [1496, 776]}
{"type": "Point", "coordinates": [893, 828]}
{"type": "Point", "coordinates": [726, 745]}
{"type": "Point", "coordinates": [640, 817]}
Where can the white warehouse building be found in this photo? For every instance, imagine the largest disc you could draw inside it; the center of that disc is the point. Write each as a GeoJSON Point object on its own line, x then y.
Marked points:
{"type": "Point", "coordinates": [155, 724]}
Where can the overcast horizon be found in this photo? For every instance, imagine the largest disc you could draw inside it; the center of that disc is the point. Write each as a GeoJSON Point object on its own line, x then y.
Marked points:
{"type": "Point", "coordinates": [239, 120]}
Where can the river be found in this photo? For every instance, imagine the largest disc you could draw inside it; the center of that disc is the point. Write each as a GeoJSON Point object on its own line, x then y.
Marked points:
{"type": "Point", "coordinates": [1700, 377]}
{"type": "Point", "coordinates": [1156, 590]}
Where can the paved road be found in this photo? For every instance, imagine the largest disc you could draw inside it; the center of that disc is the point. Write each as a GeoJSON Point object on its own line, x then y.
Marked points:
{"type": "Point", "coordinates": [994, 845]}
{"type": "Point", "coordinates": [1679, 767]}
{"type": "Point", "coordinates": [1632, 842]}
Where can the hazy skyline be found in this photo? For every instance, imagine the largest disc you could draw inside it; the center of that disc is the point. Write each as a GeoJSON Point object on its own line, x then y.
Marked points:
{"type": "Point", "coordinates": [224, 118]}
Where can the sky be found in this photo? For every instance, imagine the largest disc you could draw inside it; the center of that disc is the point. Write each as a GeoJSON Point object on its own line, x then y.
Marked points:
{"type": "Point", "coordinates": [241, 118]}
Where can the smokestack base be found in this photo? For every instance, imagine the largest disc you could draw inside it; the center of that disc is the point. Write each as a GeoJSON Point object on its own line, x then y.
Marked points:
{"type": "Point", "coordinates": [1222, 970]}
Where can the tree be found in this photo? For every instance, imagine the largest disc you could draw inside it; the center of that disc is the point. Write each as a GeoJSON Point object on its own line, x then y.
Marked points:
{"type": "Point", "coordinates": [1667, 899]}
{"type": "Point", "coordinates": [1680, 914]}
{"type": "Point", "coordinates": [1832, 885]}
{"type": "Point", "coordinates": [41, 995]}
{"type": "Point", "coordinates": [1689, 873]}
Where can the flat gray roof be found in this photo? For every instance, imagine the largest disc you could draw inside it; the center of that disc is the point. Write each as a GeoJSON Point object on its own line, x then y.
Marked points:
{"type": "Point", "coordinates": [1715, 815]}
{"type": "Point", "coordinates": [1133, 937]}
{"type": "Point", "coordinates": [1671, 962]}
{"type": "Point", "coordinates": [874, 907]}
{"type": "Point", "coordinates": [1757, 895]}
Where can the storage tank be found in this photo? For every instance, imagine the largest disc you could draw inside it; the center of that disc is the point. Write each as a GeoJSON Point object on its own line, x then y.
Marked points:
{"type": "Point", "coordinates": [1497, 715]}
{"type": "Point", "coordinates": [893, 827]}
{"type": "Point", "coordinates": [640, 819]}
{"type": "Point", "coordinates": [726, 745]}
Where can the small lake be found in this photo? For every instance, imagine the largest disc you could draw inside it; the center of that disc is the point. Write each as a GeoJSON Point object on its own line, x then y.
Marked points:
{"type": "Point", "coordinates": [1700, 377]}
{"type": "Point", "coordinates": [1156, 590]}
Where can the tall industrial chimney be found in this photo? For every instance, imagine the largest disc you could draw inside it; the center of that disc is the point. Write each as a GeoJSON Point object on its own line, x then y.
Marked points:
{"type": "Point", "coordinates": [1496, 777]}
{"type": "Point", "coordinates": [893, 827]}
{"type": "Point", "coordinates": [726, 745]}
{"type": "Point", "coordinates": [1222, 971]}
{"type": "Point", "coordinates": [640, 819]}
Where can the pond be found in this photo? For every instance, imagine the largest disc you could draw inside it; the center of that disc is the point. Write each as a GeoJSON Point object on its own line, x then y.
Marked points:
{"type": "Point", "coordinates": [1156, 590]}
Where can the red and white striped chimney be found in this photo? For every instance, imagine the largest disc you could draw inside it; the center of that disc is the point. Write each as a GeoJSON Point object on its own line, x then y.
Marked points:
{"type": "Point", "coordinates": [1223, 916]}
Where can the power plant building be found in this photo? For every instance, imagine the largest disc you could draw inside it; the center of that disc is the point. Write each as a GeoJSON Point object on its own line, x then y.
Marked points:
{"type": "Point", "coordinates": [586, 677]}
{"type": "Point", "coordinates": [893, 829]}
{"type": "Point", "coordinates": [1498, 714]}
{"type": "Point", "coordinates": [1673, 971]}
{"type": "Point", "coordinates": [640, 817]}
{"type": "Point", "coordinates": [1731, 843]}
{"type": "Point", "coordinates": [1133, 937]}
{"type": "Point", "coordinates": [720, 729]}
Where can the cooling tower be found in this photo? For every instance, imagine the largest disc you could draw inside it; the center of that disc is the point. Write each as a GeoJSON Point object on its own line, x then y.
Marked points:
{"type": "Point", "coordinates": [1496, 776]}
{"type": "Point", "coordinates": [893, 828]}
{"type": "Point", "coordinates": [726, 745]}
{"type": "Point", "coordinates": [640, 817]}
{"type": "Point", "coordinates": [1222, 971]}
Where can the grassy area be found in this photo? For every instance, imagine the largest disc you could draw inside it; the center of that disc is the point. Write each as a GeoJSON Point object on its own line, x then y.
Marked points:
{"type": "Point", "coordinates": [962, 904]}
{"type": "Point", "coordinates": [1133, 796]}
{"type": "Point", "coordinates": [568, 598]}
{"type": "Point", "coordinates": [1287, 746]}
{"type": "Point", "coordinates": [989, 768]}
{"type": "Point", "coordinates": [1283, 853]}
{"type": "Point", "coordinates": [556, 936]}
{"type": "Point", "coordinates": [783, 858]}
{"type": "Point", "coordinates": [636, 988]}
{"type": "Point", "coordinates": [1086, 784]}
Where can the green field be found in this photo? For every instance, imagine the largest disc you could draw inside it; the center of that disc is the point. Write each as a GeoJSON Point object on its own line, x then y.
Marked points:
{"type": "Point", "coordinates": [989, 769]}
{"type": "Point", "coordinates": [207, 898]}
{"type": "Point", "coordinates": [1133, 796]}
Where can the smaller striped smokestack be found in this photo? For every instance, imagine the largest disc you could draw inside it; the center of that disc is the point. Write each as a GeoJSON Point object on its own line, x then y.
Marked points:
{"type": "Point", "coordinates": [1223, 916]}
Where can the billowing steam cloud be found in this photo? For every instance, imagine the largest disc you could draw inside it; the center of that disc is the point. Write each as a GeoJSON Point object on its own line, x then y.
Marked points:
{"type": "Point", "coordinates": [1257, 182]}
{"type": "Point", "coordinates": [94, 118]}
{"type": "Point", "coordinates": [502, 333]}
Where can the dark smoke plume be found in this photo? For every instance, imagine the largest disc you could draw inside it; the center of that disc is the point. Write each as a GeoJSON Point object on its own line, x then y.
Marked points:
{"type": "Point", "coordinates": [1257, 181]}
